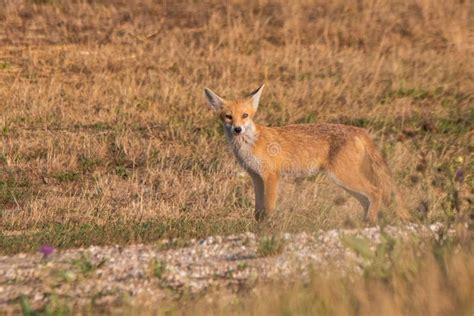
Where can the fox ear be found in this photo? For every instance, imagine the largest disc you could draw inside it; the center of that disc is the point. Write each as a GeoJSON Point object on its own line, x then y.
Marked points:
{"type": "Point", "coordinates": [215, 101]}
{"type": "Point", "coordinates": [255, 96]}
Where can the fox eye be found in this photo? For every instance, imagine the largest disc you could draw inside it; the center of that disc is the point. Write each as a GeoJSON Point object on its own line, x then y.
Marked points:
{"type": "Point", "coordinates": [245, 115]}
{"type": "Point", "coordinates": [229, 117]}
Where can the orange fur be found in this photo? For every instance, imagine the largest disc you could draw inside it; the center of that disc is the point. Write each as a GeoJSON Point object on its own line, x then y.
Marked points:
{"type": "Point", "coordinates": [345, 153]}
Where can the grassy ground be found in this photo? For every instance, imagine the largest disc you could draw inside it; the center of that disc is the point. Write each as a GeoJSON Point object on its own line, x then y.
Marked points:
{"type": "Point", "coordinates": [106, 137]}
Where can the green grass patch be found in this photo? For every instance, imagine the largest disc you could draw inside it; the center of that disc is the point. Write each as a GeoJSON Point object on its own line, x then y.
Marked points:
{"type": "Point", "coordinates": [70, 235]}
{"type": "Point", "coordinates": [307, 119]}
{"type": "Point", "coordinates": [54, 307]}
{"type": "Point", "coordinates": [416, 93]}
{"type": "Point", "coordinates": [85, 265]}
{"type": "Point", "coordinates": [13, 189]}
{"type": "Point", "coordinates": [158, 268]}
{"type": "Point", "coordinates": [4, 65]}
{"type": "Point", "coordinates": [270, 246]}
{"type": "Point", "coordinates": [87, 163]}
{"type": "Point", "coordinates": [457, 125]}
{"type": "Point", "coordinates": [362, 122]}
{"type": "Point", "coordinates": [393, 258]}
{"type": "Point", "coordinates": [98, 126]}
{"type": "Point", "coordinates": [67, 176]}
{"type": "Point", "coordinates": [122, 171]}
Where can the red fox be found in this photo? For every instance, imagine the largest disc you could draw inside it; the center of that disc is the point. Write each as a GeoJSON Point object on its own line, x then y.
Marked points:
{"type": "Point", "coordinates": [345, 153]}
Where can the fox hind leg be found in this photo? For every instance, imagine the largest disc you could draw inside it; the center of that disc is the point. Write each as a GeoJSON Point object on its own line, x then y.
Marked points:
{"type": "Point", "coordinates": [374, 208]}
{"type": "Point", "coordinates": [363, 190]}
{"type": "Point", "coordinates": [363, 200]}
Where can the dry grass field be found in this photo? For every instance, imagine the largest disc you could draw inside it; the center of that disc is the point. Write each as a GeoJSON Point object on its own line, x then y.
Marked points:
{"type": "Point", "coordinates": [106, 137]}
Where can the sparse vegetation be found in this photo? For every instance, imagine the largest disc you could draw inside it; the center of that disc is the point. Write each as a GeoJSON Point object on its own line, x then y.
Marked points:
{"type": "Point", "coordinates": [54, 307]}
{"type": "Point", "coordinates": [158, 268]}
{"type": "Point", "coordinates": [270, 245]}
{"type": "Point", "coordinates": [14, 188]}
{"type": "Point", "coordinates": [66, 176]}
{"type": "Point", "coordinates": [84, 265]}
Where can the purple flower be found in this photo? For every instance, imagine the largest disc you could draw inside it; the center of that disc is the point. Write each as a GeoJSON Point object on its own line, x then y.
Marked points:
{"type": "Point", "coordinates": [459, 175]}
{"type": "Point", "coordinates": [46, 250]}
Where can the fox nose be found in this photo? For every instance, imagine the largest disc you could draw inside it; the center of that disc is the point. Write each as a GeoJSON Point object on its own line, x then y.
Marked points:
{"type": "Point", "coordinates": [237, 130]}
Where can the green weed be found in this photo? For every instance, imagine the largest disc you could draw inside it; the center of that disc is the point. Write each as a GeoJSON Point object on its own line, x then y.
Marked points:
{"type": "Point", "coordinates": [87, 163]}
{"type": "Point", "coordinates": [14, 189]}
{"type": "Point", "coordinates": [85, 265]}
{"type": "Point", "coordinates": [4, 65]}
{"type": "Point", "coordinates": [270, 246]}
{"type": "Point", "coordinates": [67, 176]}
{"type": "Point", "coordinates": [158, 268]}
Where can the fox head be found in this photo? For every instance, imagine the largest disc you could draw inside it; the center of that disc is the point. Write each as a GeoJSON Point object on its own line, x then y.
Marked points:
{"type": "Point", "coordinates": [236, 115]}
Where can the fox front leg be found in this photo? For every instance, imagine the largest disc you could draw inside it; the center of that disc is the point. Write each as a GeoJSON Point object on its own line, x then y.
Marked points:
{"type": "Point", "coordinates": [270, 193]}
{"type": "Point", "coordinates": [259, 196]}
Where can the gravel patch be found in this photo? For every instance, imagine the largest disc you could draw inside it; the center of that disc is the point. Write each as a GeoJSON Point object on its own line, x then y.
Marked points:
{"type": "Point", "coordinates": [108, 275]}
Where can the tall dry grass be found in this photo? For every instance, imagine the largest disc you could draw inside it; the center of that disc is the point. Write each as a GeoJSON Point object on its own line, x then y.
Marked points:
{"type": "Point", "coordinates": [406, 281]}
{"type": "Point", "coordinates": [425, 291]}
{"type": "Point", "coordinates": [106, 137]}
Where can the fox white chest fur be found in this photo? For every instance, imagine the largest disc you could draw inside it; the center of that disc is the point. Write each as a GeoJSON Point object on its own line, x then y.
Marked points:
{"type": "Point", "coordinates": [243, 149]}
